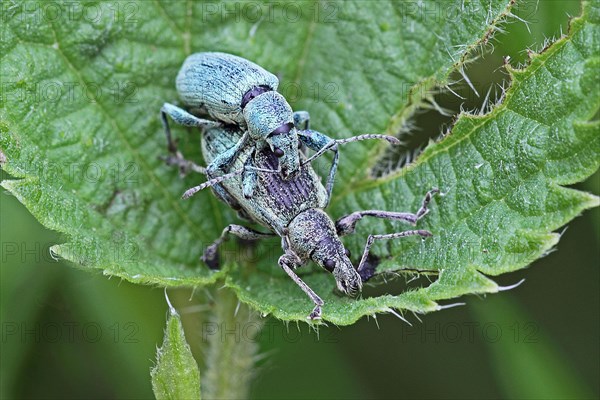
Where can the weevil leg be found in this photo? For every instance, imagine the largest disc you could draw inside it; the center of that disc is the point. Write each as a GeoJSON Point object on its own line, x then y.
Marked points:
{"type": "Point", "coordinates": [182, 117]}
{"type": "Point", "coordinates": [373, 238]}
{"type": "Point", "coordinates": [175, 157]}
{"type": "Point", "coordinates": [215, 169]}
{"type": "Point", "coordinates": [184, 165]}
{"type": "Point", "coordinates": [223, 195]}
{"type": "Point", "coordinates": [347, 224]}
{"type": "Point", "coordinates": [301, 120]}
{"type": "Point", "coordinates": [214, 181]}
{"type": "Point", "coordinates": [249, 178]}
{"type": "Point", "coordinates": [321, 143]}
{"type": "Point", "coordinates": [288, 262]}
{"type": "Point", "coordinates": [317, 141]}
{"type": "Point", "coordinates": [211, 182]}
{"type": "Point", "coordinates": [325, 143]}
{"type": "Point", "coordinates": [331, 176]}
{"type": "Point", "coordinates": [211, 255]}
{"type": "Point", "coordinates": [225, 159]}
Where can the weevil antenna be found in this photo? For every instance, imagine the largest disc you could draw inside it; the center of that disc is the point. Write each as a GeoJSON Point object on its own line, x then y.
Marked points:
{"type": "Point", "coordinates": [334, 143]}
{"type": "Point", "coordinates": [214, 181]}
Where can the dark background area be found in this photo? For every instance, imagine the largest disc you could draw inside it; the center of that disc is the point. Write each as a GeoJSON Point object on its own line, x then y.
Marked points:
{"type": "Point", "coordinates": [67, 333]}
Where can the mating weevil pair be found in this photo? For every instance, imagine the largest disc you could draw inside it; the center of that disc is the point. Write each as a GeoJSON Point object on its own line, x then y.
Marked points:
{"type": "Point", "coordinates": [235, 91]}
{"type": "Point", "coordinates": [290, 204]}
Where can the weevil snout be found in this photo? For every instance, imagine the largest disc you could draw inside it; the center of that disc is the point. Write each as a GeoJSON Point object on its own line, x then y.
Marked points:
{"type": "Point", "coordinates": [348, 281]}
{"type": "Point", "coordinates": [338, 263]}
{"type": "Point", "coordinates": [346, 278]}
{"type": "Point", "coordinates": [284, 144]}
{"type": "Point", "coordinates": [271, 122]}
{"type": "Point", "coordinates": [287, 172]}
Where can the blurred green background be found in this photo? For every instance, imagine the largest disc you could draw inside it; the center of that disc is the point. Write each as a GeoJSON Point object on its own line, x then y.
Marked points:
{"type": "Point", "coordinates": [67, 333]}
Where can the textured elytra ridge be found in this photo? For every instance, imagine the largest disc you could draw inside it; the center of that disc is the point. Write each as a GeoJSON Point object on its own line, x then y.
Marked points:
{"type": "Point", "coordinates": [90, 169]}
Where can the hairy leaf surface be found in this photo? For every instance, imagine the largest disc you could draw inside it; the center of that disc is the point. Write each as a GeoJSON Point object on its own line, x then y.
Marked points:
{"type": "Point", "coordinates": [80, 129]}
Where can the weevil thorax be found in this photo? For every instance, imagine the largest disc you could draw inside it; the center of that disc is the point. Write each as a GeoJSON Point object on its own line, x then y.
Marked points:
{"type": "Point", "coordinates": [312, 235]}
{"type": "Point", "coordinates": [270, 120]}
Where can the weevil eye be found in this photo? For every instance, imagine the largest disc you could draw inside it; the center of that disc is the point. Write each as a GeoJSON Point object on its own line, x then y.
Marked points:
{"type": "Point", "coordinates": [278, 152]}
{"type": "Point", "coordinates": [329, 265]}
{"type": "Point", "coordinates": [282, 129]}
{"type": "Point", "coordinates": [348, 254]}
{"type": "Point", "coordinates": [252, 93]}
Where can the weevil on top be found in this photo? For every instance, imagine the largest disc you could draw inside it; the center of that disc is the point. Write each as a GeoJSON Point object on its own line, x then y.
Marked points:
{"type": "Point", "coordinates": [234, 91]}
{"type": "Point", "coordinates": [288, 201]}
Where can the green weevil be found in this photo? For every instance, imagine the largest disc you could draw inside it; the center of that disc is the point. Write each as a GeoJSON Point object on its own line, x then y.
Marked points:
{"type": "Point", "coordinates": [289, 208]}
{"type": "Point", "coordinates": [234, 91]}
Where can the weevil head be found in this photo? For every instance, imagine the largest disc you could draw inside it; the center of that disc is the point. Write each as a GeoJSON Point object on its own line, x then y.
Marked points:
{"type": "Point", "coordinates": [347, 279]}
{"type": "Point", "coordinates": [313, 236]}
{"type": "Point", "coordinates": [270, 121]}
{"type": "Point", "coordinates": [283, 142]}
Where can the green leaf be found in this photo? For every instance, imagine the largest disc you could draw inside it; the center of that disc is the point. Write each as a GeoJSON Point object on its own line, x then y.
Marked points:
{"type": "Point", "coordinates": [176, 374]}
{"type": "Point", "coordinates": [79, 126]}
{"type": "Point", "coordinates": [500, 175]}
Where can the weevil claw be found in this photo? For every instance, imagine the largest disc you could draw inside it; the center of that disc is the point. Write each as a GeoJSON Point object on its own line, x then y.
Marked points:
{"type": "Point", "coordinates": [315, 314]}
{"type": "Point", "coordinates": [211, 257]}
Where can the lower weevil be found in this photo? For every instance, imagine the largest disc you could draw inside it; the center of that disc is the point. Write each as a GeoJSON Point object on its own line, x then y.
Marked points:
{"type": "Point", "coordinates": [293, 210]}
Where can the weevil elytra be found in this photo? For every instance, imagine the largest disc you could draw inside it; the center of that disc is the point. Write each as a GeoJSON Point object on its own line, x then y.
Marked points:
{"type": "Point", "coordinates": [234, 91]}
{"type": "Point", "coordinates": [291, 209]}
